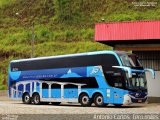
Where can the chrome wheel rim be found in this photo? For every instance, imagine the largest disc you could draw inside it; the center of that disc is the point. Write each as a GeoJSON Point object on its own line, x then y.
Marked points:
{"type": "Point", "coordinates": [99, 100]}
{"type": "Point", "coordinates": [85, 100]}
{"type": "Point", "coordinates": [26, 98]}
{"type": "Point", "coordinates": [36, 99]}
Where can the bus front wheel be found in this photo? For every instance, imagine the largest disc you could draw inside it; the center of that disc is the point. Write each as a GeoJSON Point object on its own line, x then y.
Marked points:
{"type": "Point", "coordinates": [26, 98]}
{"type": "Point", "coordinates": [36, 99]}
{"type": "Point", "coordinates": [98, 100]}
{"type": "Point", "coordinates": [85, 100]}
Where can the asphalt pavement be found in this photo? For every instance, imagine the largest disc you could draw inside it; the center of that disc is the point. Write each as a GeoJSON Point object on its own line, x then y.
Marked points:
{"type": "Point", "coordinates": [8, 106]}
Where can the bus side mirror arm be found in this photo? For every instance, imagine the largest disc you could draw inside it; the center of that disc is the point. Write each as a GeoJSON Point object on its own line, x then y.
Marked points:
{"type": "Point", "coordinates": [129, 71]}
{"type": "Point", "coordinates": [152, 71]}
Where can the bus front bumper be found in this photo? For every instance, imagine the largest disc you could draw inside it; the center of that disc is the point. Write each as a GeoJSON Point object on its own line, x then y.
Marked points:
{"type": "Point", "coordinates": [127, 100]}
{"type": "Point", "coordinates": [130, 99]}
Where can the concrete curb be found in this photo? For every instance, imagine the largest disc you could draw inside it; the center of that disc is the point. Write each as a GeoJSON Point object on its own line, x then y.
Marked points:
{"type": "Point", "coordinates": [153, 99]}
{"type": "Point", "coordinates": [3, 92]}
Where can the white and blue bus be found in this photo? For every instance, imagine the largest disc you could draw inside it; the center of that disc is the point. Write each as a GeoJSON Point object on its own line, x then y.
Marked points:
{"type": "Point", "coordinates": [102, 77]}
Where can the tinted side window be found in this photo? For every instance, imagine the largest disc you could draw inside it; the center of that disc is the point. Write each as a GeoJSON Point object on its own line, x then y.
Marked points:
{"type": "Point", "coordinates": [70, 86]}
{"type": "Point", "coordinates": [109, 60]}
{"type": "Point", "coordinates": [76, 61]}
{"type": "Point", "coordinates": [89, 81]}
{"type": "Point", "coordinates": [116, 81]}
{"type": "Point", "coordinates": [55, 86]}
{"type": "Point", "coordinates": [44, 86]}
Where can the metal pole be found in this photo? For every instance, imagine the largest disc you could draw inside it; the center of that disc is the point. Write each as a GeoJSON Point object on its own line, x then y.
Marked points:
{"type": "Point", "coordinates": [32, 42]}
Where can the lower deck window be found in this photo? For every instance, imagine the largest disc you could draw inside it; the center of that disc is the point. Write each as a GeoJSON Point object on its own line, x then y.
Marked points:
{"type": "Point", "coordinates": [90, 82]}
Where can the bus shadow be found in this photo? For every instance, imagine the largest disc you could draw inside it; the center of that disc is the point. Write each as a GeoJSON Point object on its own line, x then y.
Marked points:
{"type": "Point", "coordinates": [125, 107]}
{"type": "Point", "coordinates": [78, 105]}
{"type": "Point", "coordinates": [108, 106]}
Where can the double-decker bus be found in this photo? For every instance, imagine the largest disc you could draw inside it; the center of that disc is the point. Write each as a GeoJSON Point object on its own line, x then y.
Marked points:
{"type": "Point", "coordinates": [102, 77]}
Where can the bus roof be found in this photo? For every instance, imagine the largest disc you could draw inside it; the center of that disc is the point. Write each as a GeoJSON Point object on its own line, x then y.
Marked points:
{"type": "Point", "coordinates": [70, 55]}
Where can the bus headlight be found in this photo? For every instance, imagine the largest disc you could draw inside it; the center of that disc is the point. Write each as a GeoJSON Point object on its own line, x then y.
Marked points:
{"type": "Point", "coordinates": [127, 100]}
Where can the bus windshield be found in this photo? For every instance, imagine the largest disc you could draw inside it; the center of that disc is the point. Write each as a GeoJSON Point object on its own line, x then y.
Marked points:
{"type": "Point", "coordinates": [130, 60]}
{"type": "Point", "coordinates": [134, 60]}
{"type": "Point", "coordinates": [137, 82]}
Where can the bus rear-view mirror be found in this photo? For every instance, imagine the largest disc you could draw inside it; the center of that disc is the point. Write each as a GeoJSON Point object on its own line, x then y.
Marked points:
{"type": "Point", "coordinates": [152, 72]}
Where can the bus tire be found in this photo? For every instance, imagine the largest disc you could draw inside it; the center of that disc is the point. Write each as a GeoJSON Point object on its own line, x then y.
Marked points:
{"type": "Point", "coordinates": [56, 103]}
{"type": "Point", "coordinates": [26, 99]}
{"type": "Point", "coordinates": [99, 101]}
{"type": "Point", "coordinates": [36, 99]}
{"type": "Point", "coordinates": [84, 100]}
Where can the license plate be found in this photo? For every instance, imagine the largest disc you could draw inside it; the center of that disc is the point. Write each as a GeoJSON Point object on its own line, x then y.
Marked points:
{"type": "Point", "coordinates": [139, 101]}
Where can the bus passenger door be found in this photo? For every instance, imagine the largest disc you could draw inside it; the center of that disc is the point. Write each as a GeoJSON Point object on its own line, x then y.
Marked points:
{"type": "Point", "coordinates": [118, 91]}
{"type": "Point", "coordinates": [118, 96]}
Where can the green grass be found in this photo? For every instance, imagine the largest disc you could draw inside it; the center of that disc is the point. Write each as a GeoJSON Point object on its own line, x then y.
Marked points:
{"type": "Point", "coordinates": [6, 2]}
{"type": "Point", "coordinates": [57, 31]}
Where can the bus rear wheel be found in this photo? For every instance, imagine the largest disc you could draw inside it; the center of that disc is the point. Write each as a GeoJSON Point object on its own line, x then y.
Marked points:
{"type": "Point", "coordinates": [85, 100]}
{"type": "Point", "coordinates": [36, 99]}
{"type": "Point", "coordinates": [98, 100]}
{"type": "Point", "coordinates": [26, 98]}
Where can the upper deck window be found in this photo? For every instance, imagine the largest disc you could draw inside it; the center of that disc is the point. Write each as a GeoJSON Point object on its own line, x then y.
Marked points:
{"type": "Point", "coordinates": [125, 60]}
{"type": "Point", "coordinates": [130, 60]}
{"type": "Point", "coordinates": [108, 60]}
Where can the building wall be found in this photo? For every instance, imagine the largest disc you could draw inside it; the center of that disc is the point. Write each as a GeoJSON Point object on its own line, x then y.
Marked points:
{"type": "Point", "coordinates": [151, 59]}
{"type": "Point", "coordinates": [153, 84]}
